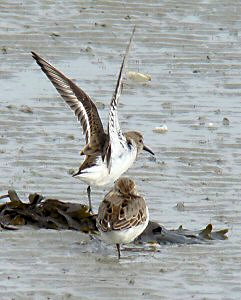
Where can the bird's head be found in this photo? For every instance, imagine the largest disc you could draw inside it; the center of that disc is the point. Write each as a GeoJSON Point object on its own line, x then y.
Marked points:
{"type": "Point", "coordinates": [137, 138]}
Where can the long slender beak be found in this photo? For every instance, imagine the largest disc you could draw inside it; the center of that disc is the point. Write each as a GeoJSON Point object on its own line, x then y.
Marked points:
{"type": "Point", "coordinates": [148, 150]}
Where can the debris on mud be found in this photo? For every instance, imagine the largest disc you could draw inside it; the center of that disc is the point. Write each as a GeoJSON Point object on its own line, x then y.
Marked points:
{"type": "Point", "coordinates": [138, 77]}
{"type": "Point", "coordinates": [161, 129]}
{"type": "Point", "coordinates": [159, 234]}
{"type": "Point", "coordinates": [45, 213]}
{"type": "Point", "coordinates": [49, 213]}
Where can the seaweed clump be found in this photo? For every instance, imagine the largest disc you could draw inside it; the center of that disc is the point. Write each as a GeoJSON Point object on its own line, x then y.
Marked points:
{"type": "Point", "coordinates": [45, 213]}
{"type": "Point", "coordinates": [49, 213]}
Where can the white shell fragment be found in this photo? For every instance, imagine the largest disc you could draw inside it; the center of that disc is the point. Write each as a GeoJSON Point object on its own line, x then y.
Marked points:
{"type": "Point", "coordinates": [212, 126]}
{"type": "Point", "coordinates": [162, 129]}
{"type": "Point", "coordinates": [139, 77]}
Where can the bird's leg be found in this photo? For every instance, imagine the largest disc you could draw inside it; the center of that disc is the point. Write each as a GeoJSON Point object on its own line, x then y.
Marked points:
{"type": "Point", "coordinates": [88, 193]}
{"type": "Point", "coordinates": [118, 250]}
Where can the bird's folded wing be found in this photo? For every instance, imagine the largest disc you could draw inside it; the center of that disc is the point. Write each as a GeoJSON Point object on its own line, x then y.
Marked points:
{"type": "Point", "coordinates": [113, 215]}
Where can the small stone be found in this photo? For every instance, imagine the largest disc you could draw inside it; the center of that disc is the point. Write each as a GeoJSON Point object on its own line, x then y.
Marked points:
{"type": "Point", "coordinates": [4, 50]}
{"type": "Point", "coordinates": [70, 137]}
{"type": "Point", "coordinates": [87, 49]}
{"type": "Point", "coordinates": [201, 120]}
{"type": "Point", "coordinates": [100, 105]}
{"type": "Point", "coordinates": [72, 171]}
{"type": "Point", "coordinates": [26, 109]}
{"type": "Point", "coordinates": [180, 206]}
{"type": "Point", "coordinates": [226, 121]}
{"type": "Point", "coordinates": [162, 270]}
{"type": "Point", "coordinates": [131, 282]}
{"type": "Point", "coordinates": [54, 35]}
{"type": "Point", "coordinates": [152, 158]}
{"type": "Point", "coordinates": [166, 105]}
{"type": "Point", "coordinates": [100, 24]}
{"type": "Point", "coordinates": [217, 111]}
{"type": "Point", "coordinates": [11, 106]}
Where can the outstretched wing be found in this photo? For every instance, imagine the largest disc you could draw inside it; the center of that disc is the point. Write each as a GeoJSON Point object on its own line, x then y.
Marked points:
{"type": "Point", "coordinates": [117, 139]}
{"type": "Point", "coordinates": [83, 107]}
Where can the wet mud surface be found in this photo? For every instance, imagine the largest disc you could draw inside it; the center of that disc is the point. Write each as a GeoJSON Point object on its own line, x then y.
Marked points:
{"type": "Point", "coordinates": [192, 53]}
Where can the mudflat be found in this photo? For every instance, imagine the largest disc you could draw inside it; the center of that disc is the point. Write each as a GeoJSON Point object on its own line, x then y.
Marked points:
{"type": "Point", "coordinates": [192, 53]}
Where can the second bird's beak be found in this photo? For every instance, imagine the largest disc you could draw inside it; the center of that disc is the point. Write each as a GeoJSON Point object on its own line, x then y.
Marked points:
{"type": "Point", "coordinates": [148, 150]}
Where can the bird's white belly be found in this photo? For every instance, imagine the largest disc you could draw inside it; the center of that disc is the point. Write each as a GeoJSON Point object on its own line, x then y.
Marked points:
{"type": "Point", "coordinates": [99, 175]}
{"type": "Point", "coordinates": [125, 236]}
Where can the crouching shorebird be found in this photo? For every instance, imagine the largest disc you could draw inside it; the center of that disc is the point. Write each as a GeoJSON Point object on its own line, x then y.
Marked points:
{"type": "Point", "coordinates": [123, 214]}
{"type": "Point", "coordinates": [108, 154]}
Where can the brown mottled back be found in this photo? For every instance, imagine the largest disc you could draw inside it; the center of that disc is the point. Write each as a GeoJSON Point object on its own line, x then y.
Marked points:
{"type": "Point", "coordinates": [122, 207]}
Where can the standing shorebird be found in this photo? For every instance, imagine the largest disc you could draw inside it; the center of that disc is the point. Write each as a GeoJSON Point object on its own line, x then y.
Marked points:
{"type": "Point", "coordinates": [108, 154]}
{"type": "Point", "coordinates": [123, 214]}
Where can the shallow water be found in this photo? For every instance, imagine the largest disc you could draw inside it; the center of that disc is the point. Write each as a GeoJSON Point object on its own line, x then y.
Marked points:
{"type": "Point", "coordinates": [192, 52]}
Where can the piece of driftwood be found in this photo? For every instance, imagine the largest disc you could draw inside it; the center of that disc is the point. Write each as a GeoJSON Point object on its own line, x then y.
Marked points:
{"type": "Point", "coordinates": [55, 214]}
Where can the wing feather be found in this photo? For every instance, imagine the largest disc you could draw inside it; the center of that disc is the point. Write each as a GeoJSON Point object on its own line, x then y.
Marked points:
{"type": "Point", "coordinates": [113, 216]}
{"type": "Point", "coordinates": [117, 139]}
{"type": "Point", "coordinates": [83, 107]}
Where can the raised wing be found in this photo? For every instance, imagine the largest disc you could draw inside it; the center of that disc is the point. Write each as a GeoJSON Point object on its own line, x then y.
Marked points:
{"type": "Point", "coordinates": [117, 139]}
{"type": "Point", "coordinates": [83, 107]}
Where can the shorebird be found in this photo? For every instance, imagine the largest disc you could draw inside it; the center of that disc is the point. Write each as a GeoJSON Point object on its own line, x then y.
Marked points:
{"type": "Point", "coordinates": [108, 154]}
{"type": "Point", "coordinates": [123, 214]}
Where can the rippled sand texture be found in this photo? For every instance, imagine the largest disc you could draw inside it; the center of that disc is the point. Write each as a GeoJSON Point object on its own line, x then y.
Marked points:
{"type": "Point", "coordinates": [192, 52]}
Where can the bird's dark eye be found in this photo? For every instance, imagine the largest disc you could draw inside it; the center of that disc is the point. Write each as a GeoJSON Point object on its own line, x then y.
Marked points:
{"type": "Point", "coordinates": [140, 141]}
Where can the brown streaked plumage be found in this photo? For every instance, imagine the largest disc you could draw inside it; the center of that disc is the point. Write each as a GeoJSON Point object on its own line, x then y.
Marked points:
{"type": "Point", "coordinates": [123, 213]}
{"type": "Point", "coordinates": [84, 108]}
{"type": "Point", "coordinates": [108, 154]}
